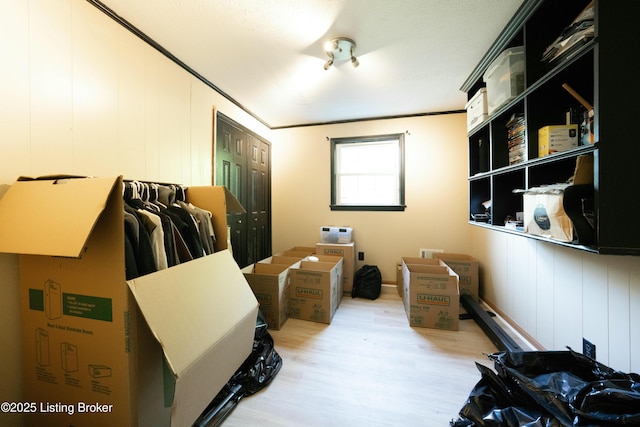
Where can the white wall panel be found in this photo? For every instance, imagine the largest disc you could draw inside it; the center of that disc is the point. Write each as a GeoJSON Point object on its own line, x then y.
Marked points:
{"type": "Point", "coordinates": [544, 301]}
{"type": "Point", "coordinates": [567, 308]}
{"type": "Point", "coordinates": [153, 89]}
{"type": "Point", "coordinates": [519, 284]}
{"type": "Point", "coordinates": [174, 96]}
{"type": "Point", "coordinates": [530, 296]}
{"type": "Point", "coordinates": [595, 303]}
{"type": "Point", "coordinates": [202, 118]}
{"type": "Point", "coordinates": [14, 87]}
{"type": "Point", "coordinates": [131, 139]}
{"type": "Point", "coordinates": [619, 313]}
{"type": "Point", "coordinates": [95, 92]}
{"type": "Point", "coordinates": [498, 251]}
{"type": "Point", "coordinates": [50, 87]}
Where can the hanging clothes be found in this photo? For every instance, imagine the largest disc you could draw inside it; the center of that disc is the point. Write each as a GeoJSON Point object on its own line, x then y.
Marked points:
{"type": "Point", "coordinates": [140, 244]}
{"type": "Point", "coordinates": [161, 229]}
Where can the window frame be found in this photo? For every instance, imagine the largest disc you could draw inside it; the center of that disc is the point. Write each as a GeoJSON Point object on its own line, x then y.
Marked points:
{"type": "Point", "coordinates": [365, 139]}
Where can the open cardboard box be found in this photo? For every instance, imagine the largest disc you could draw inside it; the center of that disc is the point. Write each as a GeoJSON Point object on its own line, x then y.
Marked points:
{"type": "Point", "coordinates": [151, 351]}
{"type": "Point", "coordinates": [431, 295]}
{"type": "Point", "coordinates": [269, 280]}
{"type": "Point", "coordinates": [467, 269]}
{"type": "Point", "coordinates": [316, 289]}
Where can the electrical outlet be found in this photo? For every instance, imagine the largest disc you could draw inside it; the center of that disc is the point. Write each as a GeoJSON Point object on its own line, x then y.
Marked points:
{"type": "Point", "coordinates": [588, 349]}
{"type": "Point", "coordinates": [360, 256]}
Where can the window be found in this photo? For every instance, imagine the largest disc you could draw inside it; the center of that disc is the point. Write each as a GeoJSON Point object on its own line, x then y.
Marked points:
{"type": "Point", "coordinates": [367, 173]}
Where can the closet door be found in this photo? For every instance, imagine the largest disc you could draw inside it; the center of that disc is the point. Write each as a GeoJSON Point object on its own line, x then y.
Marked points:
{"type": "Point", "coordinates": [231, 148]}
{"type": "Point", "coordinates": [243, 165]}
{"type": "Point", "coordinates": [259, 200]}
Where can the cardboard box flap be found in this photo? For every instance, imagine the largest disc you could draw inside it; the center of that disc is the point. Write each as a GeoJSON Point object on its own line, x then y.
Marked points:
{"type": "Point", "coordinates": [233, 205]}
{"type": "Point", "coordinates": [269, 269]}
{"type": "Point", "coordinates": [52, 216]}
{"type": "Point", "coordinates": [197, 311]}
{"type": "Point", "coordinates": [192, 306]}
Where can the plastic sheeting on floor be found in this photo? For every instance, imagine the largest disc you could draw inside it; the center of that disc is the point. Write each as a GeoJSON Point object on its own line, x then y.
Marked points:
{"type": "Point", "coordinates": [548, 389]}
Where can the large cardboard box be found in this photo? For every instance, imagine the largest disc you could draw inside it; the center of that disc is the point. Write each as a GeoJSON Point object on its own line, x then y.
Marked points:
{"type": "Point", "coordinates": [153, 351]}
{"type": "Point", "coordinates": [544, 215]}
{"type": "Point", "coordinates": [269, 280]}
{"type": "Point", "coordinates": [410, 260]}
{"type": "Point", "coordinates": [348, 253]}
{"type": "Point", "coordinates": [315, 290]}
{"type": "Point", "coordinates": [431, 296]}
{"type": "Point", "coordinates": [467, 268]}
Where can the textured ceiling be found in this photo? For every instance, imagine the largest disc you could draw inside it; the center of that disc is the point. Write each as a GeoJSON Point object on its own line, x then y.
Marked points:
{"type": "Point", "coordinates": [267, 54]}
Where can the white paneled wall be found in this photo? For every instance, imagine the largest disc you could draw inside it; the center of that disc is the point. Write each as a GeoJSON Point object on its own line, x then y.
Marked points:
{"type": "Point", "coordinates": [559, 295]}
{"type": "Point", "coordinates": [82, 95]}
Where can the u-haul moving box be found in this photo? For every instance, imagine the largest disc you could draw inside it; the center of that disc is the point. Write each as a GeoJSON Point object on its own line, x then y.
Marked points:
{"type": "Point", "coordinates": [151, 351]}
{"type": "Point", "coordinates": [315, 290]}
{"type": "Point", "coordinates": [269, 280]}
{"type": "Point", "coordinates": [348, 253]}
{"type": "Point", "coordinates": [466, 267]}
{"type": "Point", "coordinates": [400, 284]}
{"type": "Point", "coordinates": [431, 297]}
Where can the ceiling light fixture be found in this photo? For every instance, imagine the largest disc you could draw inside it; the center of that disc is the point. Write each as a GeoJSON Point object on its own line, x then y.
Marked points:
{"type": "Point", "coordinates": [340, 49]}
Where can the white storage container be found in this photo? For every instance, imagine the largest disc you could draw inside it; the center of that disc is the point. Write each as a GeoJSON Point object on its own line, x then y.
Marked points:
{"type": "Point", "coordinates": [331, 234]}
{"type": "Point", "coordinates": [505, 78]}
{"type": "Point", "coordinates": [477, 111]}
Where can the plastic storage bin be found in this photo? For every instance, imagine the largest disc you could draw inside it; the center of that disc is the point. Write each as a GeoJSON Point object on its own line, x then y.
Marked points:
{"type": "Point", "coordinates": [505, 78]}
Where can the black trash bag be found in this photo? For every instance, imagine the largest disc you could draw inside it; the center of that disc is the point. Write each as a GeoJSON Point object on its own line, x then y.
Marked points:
{"type": "Point", "coordinates": [554, 388]}
{"type": "Point", "coordinates": [367, 282]}
{"type": "Point", "coordinates": [491, 404]}
{"type": "Point", "coordinates": [255, 373]}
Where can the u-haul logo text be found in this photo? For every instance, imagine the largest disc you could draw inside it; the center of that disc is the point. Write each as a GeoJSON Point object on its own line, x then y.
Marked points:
{"type": "Point", "coordinates": [334, 252]}
{"type": "Point", "coordinates": [428, 299]}
{"type": "Point", "coordinates": [308, 293]}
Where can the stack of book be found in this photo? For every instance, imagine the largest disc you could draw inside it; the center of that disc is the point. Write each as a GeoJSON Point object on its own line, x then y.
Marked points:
{"type": "Point", "coordinates": [516, 139]}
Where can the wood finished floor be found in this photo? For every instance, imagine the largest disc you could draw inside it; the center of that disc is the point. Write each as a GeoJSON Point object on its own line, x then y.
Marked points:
{"type": "Point", "coordinates": [367, 368]}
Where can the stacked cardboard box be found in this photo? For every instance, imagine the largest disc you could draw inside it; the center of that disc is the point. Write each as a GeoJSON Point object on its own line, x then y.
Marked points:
{"type": "Point", "coordinates": [347, 252]}
{"type": "Point", "coordinates": [152, 351]}
{"type": "Point", "coordinates": [431, 295]}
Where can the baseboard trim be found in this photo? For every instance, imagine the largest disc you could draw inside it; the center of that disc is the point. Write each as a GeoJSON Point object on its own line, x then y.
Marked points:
{"type": "Point", "coordinates": [531, 341]}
